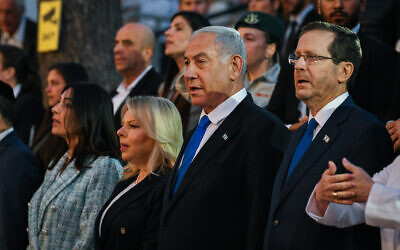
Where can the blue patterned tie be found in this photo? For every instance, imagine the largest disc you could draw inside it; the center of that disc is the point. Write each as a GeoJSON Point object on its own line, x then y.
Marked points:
{"type": "Point", "coordinates": [302, 146]}
{"type": "Point", "coordinates": [191, 149]}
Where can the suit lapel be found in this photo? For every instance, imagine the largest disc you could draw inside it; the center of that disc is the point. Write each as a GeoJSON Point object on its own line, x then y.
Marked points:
{"type": "Point", "coordinates": [128, 198]}
{"type": "Point", "coordinates": [296, 137]}
{"type": "Point", "coordinates": [7, 141]}
{"type": "Point", "coordinates": [215, 143]}
{"type": "Point", "coordinates": [56, 185]}
{"type": "Point", "coordinates": [321, 143]}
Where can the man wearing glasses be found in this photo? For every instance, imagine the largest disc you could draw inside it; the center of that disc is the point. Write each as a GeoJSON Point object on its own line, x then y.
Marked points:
{"type": "Point", "coordinates": [325, 60]}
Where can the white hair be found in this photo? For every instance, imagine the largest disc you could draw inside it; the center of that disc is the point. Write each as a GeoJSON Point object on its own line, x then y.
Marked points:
{"type": "Point", "coordinates": [228, 43]}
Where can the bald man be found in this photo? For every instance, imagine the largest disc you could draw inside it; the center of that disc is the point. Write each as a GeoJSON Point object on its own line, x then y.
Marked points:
{"type": "Point", "coordinates": [133, 50]}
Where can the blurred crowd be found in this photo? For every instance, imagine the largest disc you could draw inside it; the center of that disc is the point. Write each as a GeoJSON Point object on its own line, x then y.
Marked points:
{"type": "Point", "coordinates": [241, 124]}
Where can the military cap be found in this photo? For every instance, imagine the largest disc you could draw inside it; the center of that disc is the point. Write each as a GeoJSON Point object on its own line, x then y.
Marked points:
{"type": "Point", "coordinates": [264, 22]}
{"type": "Point", "coordinates": [6, 91]}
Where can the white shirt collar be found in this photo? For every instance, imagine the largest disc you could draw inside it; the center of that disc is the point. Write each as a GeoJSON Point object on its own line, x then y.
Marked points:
{"type": "Point", "coordinates": [18, 38]}
{"type": "Point", "coordinates": [225, 108]}
{"type": "Point", "coordinates": [300, 17]}
{"type": "Point", "coordinates": [356, 28]}
{"type": "Point", "coordinates": [17, 90]}
{"type": "Point", "coordinates": [121, 88]}
{"type": "Point", "coordinates": [325, 113]}
{"type": "Point", "coordinates": [5, 133]}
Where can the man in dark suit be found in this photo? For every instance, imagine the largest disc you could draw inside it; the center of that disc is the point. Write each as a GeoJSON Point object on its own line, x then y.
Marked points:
{"type": "Point", "coordinates": [19, 178]}
{"type": "Point", "coordinates": [220, 188]}
{"type": "Point", "coordinates": [16, 29]}
{"type": "Point", "coordinates": [133, 50]}
{"type": "Point", "coordinates": [325, 59]}
{"type": "Point", "coordinates": [375, 87]}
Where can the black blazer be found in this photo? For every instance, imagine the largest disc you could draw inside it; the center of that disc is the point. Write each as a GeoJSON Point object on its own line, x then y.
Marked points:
{"type": "Point", "coordinates": [148, 85]}
{"type": "Point", "coordinates": [223, 199]}
{"type": "Point", "coordinates": [19, 178]}
{"type": "Point", "coordinates": [350, 132]}
{"type": "Point", "coordinates": [132, 222]}
{"type": "Point", "coordinates": [29, 114]}
{"type": "Point", "coordinates": [376, 87]}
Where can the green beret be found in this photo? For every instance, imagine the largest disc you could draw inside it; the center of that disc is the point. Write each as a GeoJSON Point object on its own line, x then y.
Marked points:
{"type": "Point", "coordinates": [264, 22]}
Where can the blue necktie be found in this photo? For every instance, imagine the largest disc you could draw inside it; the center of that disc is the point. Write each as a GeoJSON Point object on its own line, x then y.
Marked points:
{"type": "Point", "coordinates": [191, 149]}
{"type": "Point", "coordinates": [303, 145]}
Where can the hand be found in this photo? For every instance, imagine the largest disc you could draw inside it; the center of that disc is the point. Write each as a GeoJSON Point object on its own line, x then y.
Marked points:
{"type": "Point", "coordinates": [327, 188]}
{"type": "Point", "coordinates": [297, 125]}
{"type": "Point", "coordinates": [361, 182]}
{"type": "Point", "coordinates": [393, 127]}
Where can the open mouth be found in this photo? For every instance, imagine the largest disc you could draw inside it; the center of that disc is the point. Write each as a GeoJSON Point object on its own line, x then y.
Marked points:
{"type": "Point", "coordinates": [123, 146]}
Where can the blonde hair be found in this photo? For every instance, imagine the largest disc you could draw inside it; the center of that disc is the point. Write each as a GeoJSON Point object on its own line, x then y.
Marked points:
{"type": "Point", "coordinates": [160, 121]}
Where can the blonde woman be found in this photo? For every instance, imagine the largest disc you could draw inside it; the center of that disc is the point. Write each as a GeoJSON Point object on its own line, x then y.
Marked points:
{"type": "Point", "coordinates": [150, 139]}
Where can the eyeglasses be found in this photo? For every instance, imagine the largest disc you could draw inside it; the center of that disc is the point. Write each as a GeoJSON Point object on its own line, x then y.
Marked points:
{"type": "Point", "coordinates": [309, 59]}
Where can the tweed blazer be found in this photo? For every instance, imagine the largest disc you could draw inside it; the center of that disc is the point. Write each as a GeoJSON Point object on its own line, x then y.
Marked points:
{"type": "Point", "coordinates": [63, 210]}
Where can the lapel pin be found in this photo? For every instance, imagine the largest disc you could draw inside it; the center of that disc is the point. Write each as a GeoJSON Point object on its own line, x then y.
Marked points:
{"type": "Point", "coordinates": [225, 136]}
{"type": "Point", "coordinates": [123, 230]}
{"type": "Point", "coordinates": [326, 138]}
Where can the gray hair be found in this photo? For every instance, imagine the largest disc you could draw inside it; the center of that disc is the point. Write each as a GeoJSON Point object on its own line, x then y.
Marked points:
{"type": "Point", "coordinates": [228, 43]}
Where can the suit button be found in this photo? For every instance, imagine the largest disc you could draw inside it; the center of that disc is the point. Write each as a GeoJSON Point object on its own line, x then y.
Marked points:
{"type": "Point", "coordinates": [276, 222]}
{"type": "Point", "coordinates": [53, 208]}
{"type": "Point", "coordinates": [29, 204]}
{"type": "Point", "coordinates": [44, 232]}
{"type": "Point", "coordinates": [27, 229]}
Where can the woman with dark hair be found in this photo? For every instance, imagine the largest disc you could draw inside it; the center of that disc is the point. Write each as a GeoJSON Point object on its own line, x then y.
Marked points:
{"type": "Point", "coordinates": [150, 138]}
{"type": "Point", "coordinates": [183, 24]}
{"type": "Point", "coordinates": [17, 71]}
{"type": "Point", "coordinates": [60, 76]}
{"type": "Point", "coordinates": [82, 173]}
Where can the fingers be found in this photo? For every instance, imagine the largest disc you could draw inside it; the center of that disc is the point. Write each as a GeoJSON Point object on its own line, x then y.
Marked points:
{"type": "Point", "coordinates": [390, 125]}
{"type": "Point", "coordinates": [348, 165]}
{"type": "Point", "coordinates": [396, 146]}
{"type": "Point", "coordinates": [342, 183]}
{"type": "Point", "coordinates": [332, 168]}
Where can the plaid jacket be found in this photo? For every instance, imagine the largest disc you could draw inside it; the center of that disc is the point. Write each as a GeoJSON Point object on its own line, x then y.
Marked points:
{"type": "Point", "coordinates": [63, 210]}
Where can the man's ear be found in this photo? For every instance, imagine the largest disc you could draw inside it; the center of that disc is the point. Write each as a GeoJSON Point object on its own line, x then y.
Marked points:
{"type": "Point", "coordinates": [270, 50]}
{"type": "Point", "coordinates": [236, 67]}
{"type": "Point", "coordinates": [147, 54]}
{"type": "Point", "coordinates": [345, 71]}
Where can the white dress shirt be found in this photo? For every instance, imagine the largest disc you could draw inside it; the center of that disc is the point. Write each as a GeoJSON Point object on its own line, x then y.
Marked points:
{"type": "Point", "coordinates": [218, 115]}
{"type": "Point", "coordinates": [5, 133]}
{"type": "Point", "coordinates": [17, 39]}
{"type": "Point", "coordinates": [325, 113]}
{"type": "Point", "coordinates": [381, 210]}
{"type": "Point", "coordinates": [123, 92]}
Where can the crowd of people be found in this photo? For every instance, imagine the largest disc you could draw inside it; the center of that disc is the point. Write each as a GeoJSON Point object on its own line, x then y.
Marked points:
{"type": "Point", "coordinates": [280, 132]}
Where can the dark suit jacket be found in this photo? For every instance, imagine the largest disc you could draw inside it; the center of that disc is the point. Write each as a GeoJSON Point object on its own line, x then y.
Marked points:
{"type": "Point", "coordinates": [376, 87]}
{"type": "Point", "coordinates": [223, 198]}
{"type": "Point", "coordinates": [19, 179]}
{"type": "Point", "coordinates": [292, 41]}
{"type": "Point", "coordinates": [30, 41]}
{"type": "Point", "coordinates": [132, 222]}
{"type": "Point", "coordinates": [148, 85]}
{"type": "Point", "coordinates": [350, 132]}
{"type": "Point", "coordinates": [29, 113]}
